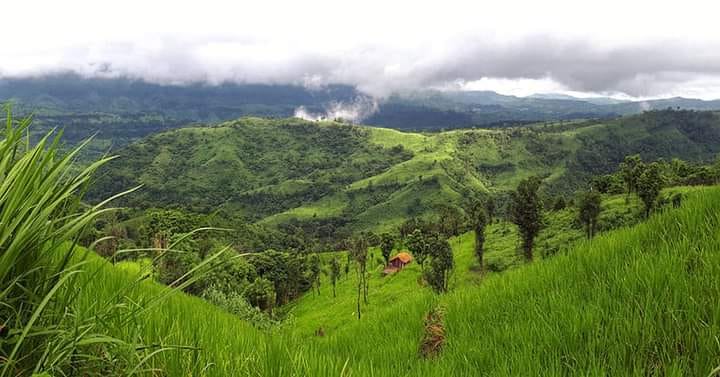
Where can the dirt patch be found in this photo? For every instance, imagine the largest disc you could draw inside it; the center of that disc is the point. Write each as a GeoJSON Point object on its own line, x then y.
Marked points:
{"type": "Point", "coordinates": [434, 333]}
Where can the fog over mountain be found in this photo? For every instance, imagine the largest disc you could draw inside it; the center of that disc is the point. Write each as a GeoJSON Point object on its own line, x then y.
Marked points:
{"type": "Point", "coordinates": [513, 47]}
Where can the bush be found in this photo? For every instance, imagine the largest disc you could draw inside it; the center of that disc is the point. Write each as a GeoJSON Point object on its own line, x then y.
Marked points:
{"type": "Point", "coordinates": [239, 306]}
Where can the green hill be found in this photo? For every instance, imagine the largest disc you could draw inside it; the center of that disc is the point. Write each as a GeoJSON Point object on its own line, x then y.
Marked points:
{"type": "Point", "coordinates": [641, 300]}
{"type": "Point", "coordinates": [343, 178]}
{"type": "Point", "coordinates": [637, 301]}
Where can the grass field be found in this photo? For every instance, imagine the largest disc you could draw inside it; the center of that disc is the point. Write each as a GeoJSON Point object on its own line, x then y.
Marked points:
{"type": "Point", "coordinates": [641, 300]}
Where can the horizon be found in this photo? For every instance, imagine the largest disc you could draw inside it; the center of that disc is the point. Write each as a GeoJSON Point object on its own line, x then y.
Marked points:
{"type": "Point", "coordinates": [446, 89]}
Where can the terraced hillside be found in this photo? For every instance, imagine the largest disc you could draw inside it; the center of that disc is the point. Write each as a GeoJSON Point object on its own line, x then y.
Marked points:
{"type": "Point", "coordinates": [337, 176]}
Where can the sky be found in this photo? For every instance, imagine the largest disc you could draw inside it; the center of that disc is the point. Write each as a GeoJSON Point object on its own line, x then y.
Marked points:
{"type": "Point", "coordinates": [629, 49]}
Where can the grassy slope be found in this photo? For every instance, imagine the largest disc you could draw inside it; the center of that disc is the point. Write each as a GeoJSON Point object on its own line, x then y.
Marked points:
{"type": "Point", "coordinates": [632, 302]}
{"type": "Point", "coordinates": [278, 170]}
{"type": "Point", "coordinates": [636, 301]}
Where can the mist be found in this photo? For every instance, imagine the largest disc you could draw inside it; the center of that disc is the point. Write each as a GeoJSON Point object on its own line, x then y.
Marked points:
{"type": "Point", "coordinates": [354, 111]}
{"type": "Point", "coordinates": [379, 48]}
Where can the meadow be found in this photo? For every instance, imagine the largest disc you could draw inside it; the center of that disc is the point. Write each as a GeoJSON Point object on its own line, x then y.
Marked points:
{"type": "Point", "coordinates": [635, 301]}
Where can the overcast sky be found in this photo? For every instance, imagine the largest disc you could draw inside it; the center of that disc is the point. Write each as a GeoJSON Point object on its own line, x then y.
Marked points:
{"type": "Point", "coordinates": [632, 48]}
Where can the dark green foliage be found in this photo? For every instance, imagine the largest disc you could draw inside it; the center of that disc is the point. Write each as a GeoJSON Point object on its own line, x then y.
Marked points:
{"type": "Point", "coordinates": [589, 209]}
{"type": "Point", "coordinates": [238, 304]}
{"type": "Point", "coordinates": [161, 225]}
{"type": "Point", "coordinates": [182, 257]}
{"type": "Point", "coordinates": [387, 244]}
{"type": "Point", "coordinates": [559, 204]}
{"type": "Point", "coordinates": [233, 274]}
{"type": "Point", "coordinates": [419, 245]}
{"type": "Point", "coordinates": [314, 270]}
{"type": "Point", "coordinates": [607, 184]}
{"type": "Point", "coordinates": [479, 219]}
{"type": "Point", "coordinates": [410, 225]}
{"type": "Point", "coordinates": [630, 170]}
{"type": "Point", "coordinates": [288, 273]}
{"type": "Point", "coordinates": [676, 200]}
{"type": "Point", "coordinates": [261, 294]}
{"type": "Point", "coordinates": [526, 213]}
{"type": "Point", "coordinates": [450, 220]}
{"type": "Point", "coordinates": [490, 209]}
{"type": "Point", "coordinates": [441, 264]}
{"type": "Point", "coordinates": [649, 185]}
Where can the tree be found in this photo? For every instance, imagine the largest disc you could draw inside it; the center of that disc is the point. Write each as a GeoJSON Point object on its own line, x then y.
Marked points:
{"type": "Point", "coordinates": [679, 170]}
{"type": "Point", "coordinates": [479, 222]}
{"type": "Point", "coordinates": [630, 170]}
{"type": "Point", "coordinates": [649, 185]}
{"type": "Point", "coordinates": [450, 220]}
{"type": "Point", "coordinates": [441, 265]}
{"type": "Point", "coordinates": [526, 212]}
{"type": "Point", "coordinates": [418, 246]}
{"type": "Point", "coordinates": [334, 273]}
{"type": "Point", "coordinates": [358, 248]}
{"type": "Point", "coordinates": [315, 267]}
{"type": "Point", "coordinates": [589, 211]}
{"type": "Point", "coordinates": [387, 244]}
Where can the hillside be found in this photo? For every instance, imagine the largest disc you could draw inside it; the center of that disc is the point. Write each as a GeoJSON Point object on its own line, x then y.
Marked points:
{"type": "Point", "coordinates": [653, 315]}
{"type": "Point", "coordinates": [638, 300]}
{"type": "Point", "coordinates": [331, 177]}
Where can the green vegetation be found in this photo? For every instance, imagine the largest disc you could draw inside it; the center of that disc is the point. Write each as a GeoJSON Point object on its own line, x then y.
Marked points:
{"type": "Point", "coordinates": [637, 300]}
{"type": "Point", "coordinates": [526, 213]}
{"type": "Point", "coordinates": [305, 185]}
{"type": "Point", "coordinates": [54, 321]}
{"type": "Point", "coordinates": [665, 268]}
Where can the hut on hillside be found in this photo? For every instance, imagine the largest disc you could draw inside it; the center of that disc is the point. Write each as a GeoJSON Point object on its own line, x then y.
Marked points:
{"type": "Point", "coordinates": [400, 260]}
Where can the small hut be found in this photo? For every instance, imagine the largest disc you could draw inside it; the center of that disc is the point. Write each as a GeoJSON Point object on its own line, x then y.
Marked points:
{"type": "Point", "coordinates": [400, 260]}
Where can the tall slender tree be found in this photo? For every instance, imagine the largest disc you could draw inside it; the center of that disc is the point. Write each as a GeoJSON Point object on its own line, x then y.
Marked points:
{"type": "Point", "coordinates": [589, 211]}
{"type": "Point", "coordinates": [649, 185]}
{"type": "Point", "coordinates": [527, 213]}
{"type": "Point", "coordinates": [315, 268]}
{"type": "Point", "coordinates": [334, 273]}
{"type": "Point", "coordinates": [479, 219]}
{"type": "Point", "coordinates": [441, 264]}
{"type": "Point", "coordinates": [417, 243]}
{"type": "Point", "coordinates": [358, 248]}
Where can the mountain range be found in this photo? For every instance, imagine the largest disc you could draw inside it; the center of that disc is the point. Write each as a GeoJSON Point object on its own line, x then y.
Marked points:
{"type": "Point", "coordinates": [55, 98]}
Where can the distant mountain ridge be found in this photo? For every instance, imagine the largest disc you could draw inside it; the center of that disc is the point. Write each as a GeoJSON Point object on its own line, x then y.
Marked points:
{"type": "Point", "coordinates": [72, 95]}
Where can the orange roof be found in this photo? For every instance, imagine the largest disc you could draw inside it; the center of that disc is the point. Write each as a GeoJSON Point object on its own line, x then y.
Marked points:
{"type": "Point", "coordinates": [403, 256]}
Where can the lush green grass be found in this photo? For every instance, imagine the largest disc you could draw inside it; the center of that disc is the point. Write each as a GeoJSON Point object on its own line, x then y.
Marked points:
{"type": "Point", "coordinates": [632, 302]}
{"type": "Point", "coordinates": [637, 301]}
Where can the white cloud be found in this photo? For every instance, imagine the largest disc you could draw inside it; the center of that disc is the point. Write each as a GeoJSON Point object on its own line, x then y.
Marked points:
{"type": "Point", "coordinates": [354, 111]}
{"type": "Point", "coordinates": [640, 48]}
